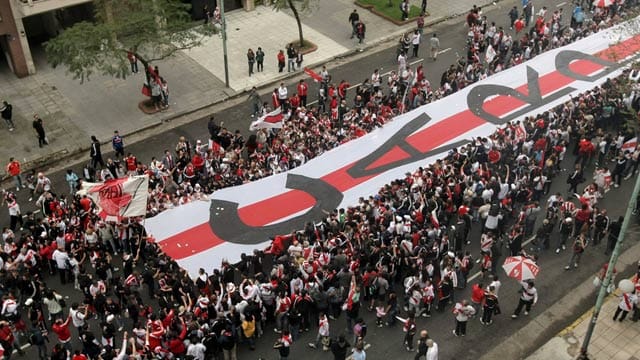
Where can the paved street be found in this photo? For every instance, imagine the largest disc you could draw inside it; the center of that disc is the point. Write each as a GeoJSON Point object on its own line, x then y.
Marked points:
{"type": "Point", "coordinates": [553, 283]}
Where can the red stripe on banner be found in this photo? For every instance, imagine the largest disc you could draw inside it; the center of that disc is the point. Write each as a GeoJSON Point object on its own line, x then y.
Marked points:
{"type": "Point", "coordinates": [272, 119]}
{"type": "Point", "coordinates": [395, 154]}
{"type": "Point", "coordinates": [290, 202]}
{"type": "Point", "coordinates": [621, 50]}
{"type": "Point", "coordinates": [190, 242]}
{"type": "Point", "coordinates": [275, 208]}
{"type": "Point", "coordinates": [444, 131]}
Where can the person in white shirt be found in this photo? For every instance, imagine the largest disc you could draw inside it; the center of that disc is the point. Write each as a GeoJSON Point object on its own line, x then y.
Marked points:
{"type": "Point", "coordinates": [61, 258]}
{"type": "Point", "coordinates": [462, 311]}
{"type": "Point", "coordinates": [496, 285]}
{"type": "Point", "coordinates": [197, 350]}
{"type": "Point", "coordinates": [432, 350]}
{"type": "Point", "coordinates": [627, 303]}
{"type": "Point", "coordinates": [78, 317]}
{"type": "Point", "coordinates": [323, 330]}
{"type": "Point", "coordinates": [528, 298]}
{"type": "Point", "coordinates": [283, 96]}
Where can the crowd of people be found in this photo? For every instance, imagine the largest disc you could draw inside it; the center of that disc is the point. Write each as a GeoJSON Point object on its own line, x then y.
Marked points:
{"type": "Point", "coordinates": [400, 253]}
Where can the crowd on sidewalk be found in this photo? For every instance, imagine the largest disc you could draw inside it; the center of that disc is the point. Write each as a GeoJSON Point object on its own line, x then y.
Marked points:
{"type": "Point", "coordinates": [398, 253]}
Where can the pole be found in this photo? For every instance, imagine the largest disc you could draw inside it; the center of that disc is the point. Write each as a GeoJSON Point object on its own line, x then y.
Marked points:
{"type": "Point", "coordinates": [224, 44]}
{"type": "Point", "coordinates": [607, 278]}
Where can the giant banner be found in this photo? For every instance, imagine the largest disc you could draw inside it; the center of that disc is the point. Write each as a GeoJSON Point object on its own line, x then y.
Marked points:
{"type": "Point", "coordinates": [240, 219]}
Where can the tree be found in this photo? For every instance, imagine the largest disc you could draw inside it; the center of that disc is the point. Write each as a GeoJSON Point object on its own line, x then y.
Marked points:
{"type": "Point", "coordinates": [304, 5]}
{"type": "Point", "coordinates": [151, 29]}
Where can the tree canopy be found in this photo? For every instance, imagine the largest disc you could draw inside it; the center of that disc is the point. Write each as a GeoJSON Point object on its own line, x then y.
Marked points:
{"type": "Point", "coordinates": [151, 29]}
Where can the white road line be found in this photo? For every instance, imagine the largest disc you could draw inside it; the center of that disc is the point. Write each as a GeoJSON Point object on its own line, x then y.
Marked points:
{"type": "Point", "coordinates": [443, 51]}
{"type": "Point", "coordinates": [561, 4]}
{"type": "Point", "coordinates": [381, 75]}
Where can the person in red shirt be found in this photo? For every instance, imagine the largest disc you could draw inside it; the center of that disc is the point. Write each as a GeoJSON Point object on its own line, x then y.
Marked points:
{"type": "Point", "coordinates": [85, 203]}
{"type": "Point", "coordinates": [6, 337]}
{"type": "Point", "coordinates": [62, 331]}
{"type": "Point", "coordinates": [294, 101]}
{"type": "Point", "coordinates": [275, 101]}
{"type": "Point", "coordinates": [303, 90]}
{"type": "Point", "coordinates": [281, 61]}
{"type": "Point", "coordinates": [13, 169]}
{"type": "Point", "coordinates": [342, 89]}
{"type": "Point", "coordinates": [79, 356]}
{"type": "Point", "coordinates": [132, 163]}
{"type": "Point", "coordinates": [477, 296]}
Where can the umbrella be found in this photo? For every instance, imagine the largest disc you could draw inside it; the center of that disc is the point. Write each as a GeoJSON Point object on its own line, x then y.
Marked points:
{"type": "Point", "coordinates": [603, 3]}
{"type": "Point", "coordinates": [520, 268]}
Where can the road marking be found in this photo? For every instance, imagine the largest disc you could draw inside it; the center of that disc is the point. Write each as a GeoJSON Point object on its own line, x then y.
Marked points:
{"type": "Point", "coordinates": [443, 51]}
{"type": "Point", "coordinates": [561, 4]}
{"type": "Point", "coordinates": [381, 75]}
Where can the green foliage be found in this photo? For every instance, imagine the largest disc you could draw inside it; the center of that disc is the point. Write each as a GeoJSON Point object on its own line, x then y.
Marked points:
{"type": "Point", "coordinates": [153, 29]}
{"type": "Point", "coordinates": [301, 5]}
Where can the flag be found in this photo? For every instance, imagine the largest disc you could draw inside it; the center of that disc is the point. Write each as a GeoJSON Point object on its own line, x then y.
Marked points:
{"type": "Point", "coordinates": [630, 145]}
{"type": "Point", "coordinates": [314, 75]}
{"type": "Point", "coordinates": [119, 198]}
{"type": "Point", "coordinates": [521, 133]}
{"type": "Point", "coordinates": [434, 219]}
{"type": "Point", "coordinates": [490, 55]}
{"type": "Point", "coordinates": [274, 119]}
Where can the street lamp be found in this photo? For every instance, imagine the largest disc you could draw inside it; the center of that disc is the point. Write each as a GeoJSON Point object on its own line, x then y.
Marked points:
{"type": "Point", "coordinates": [224, 44]}
{"type": "Point", "coordinates": [607, 278]}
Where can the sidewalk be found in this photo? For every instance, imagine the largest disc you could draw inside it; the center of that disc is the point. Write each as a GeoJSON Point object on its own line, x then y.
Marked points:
{"type": "Point", "coordinates": [72, 112]}
{"type": "Point", "coordinates": [612, 340]}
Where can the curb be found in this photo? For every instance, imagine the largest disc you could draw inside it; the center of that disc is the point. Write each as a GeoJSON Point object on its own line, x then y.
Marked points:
{"type": "Point", "coordinates": [46, 162]}
{"type": "Point", "coordinates": [515, 348]}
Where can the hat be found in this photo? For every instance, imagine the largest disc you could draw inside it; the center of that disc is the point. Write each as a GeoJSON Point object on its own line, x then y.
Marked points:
{"type": "Point", "coordinates": [29, 302]}
{"type": "Point", "coordinates": [43, 234]}
{"type": "Point", "coordinates": [110, 318]}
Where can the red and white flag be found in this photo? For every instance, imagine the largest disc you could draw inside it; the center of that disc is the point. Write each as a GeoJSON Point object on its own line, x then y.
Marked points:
{"type": "Point", "coordinates": [521, 133]}
{"type": "Point", "coordinates": [314, 75]}
{"type": "Point", "coordinates": [119, 198]}
{"type": "Point", "coordinates": [630, 144]}
{"type": "Point", "coordinates": [274, 119]}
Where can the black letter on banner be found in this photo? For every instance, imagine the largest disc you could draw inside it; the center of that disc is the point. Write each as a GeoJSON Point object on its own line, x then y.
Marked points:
{"type": "Point", "coordinates": [359, 169]}
{"type": "Point", "coordinates": [480, 93]}
{"type": "Point", "coordinates": [226, 223]}
{"type": "Point", "coordinates": [566, 57]}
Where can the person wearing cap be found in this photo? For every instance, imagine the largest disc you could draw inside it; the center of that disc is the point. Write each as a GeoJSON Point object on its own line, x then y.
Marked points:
{"type": "Point", "coordinates": [108, 330]}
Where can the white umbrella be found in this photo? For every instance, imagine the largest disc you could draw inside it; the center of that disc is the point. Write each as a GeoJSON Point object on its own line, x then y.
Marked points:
{"type": "Point", "coordinates": [626, 286]}
{"type": "Point", "coordinates": [603, 3]}
{"type": "Point", "coordinates": [520, 268]}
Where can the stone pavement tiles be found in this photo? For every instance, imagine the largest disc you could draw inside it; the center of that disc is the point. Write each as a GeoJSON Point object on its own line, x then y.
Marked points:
{"type": "Point", "coordinates": [256, 29]}
{"type": "Point", "coordinates": [72, 111]}
{"type": "Point", "coordinates": [613, 340]}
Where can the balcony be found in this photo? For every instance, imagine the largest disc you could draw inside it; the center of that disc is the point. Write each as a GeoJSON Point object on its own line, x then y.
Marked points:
{"type": "Point", "coordinates": [33, 7]}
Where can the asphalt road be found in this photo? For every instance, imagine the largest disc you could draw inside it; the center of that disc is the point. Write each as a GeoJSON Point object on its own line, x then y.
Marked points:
{"type": "Point", "coordinates": [553, 282]}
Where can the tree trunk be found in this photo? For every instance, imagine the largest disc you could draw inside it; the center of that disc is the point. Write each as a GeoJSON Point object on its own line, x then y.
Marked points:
{"type": "Point", "coordinates": [297, 16]}
{"type": "Point", "coordinates": [147, 74]}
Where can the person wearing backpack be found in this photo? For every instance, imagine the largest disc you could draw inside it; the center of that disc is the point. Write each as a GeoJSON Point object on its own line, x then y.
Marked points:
{"type": "Point", "coordinates": [227, 342]}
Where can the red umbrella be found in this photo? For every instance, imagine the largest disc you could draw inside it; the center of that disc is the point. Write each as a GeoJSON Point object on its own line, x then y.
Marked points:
{"type": "Point", "coordinates": [603, 3]}
{"type": "Point", "coordinates": [520, 268]}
